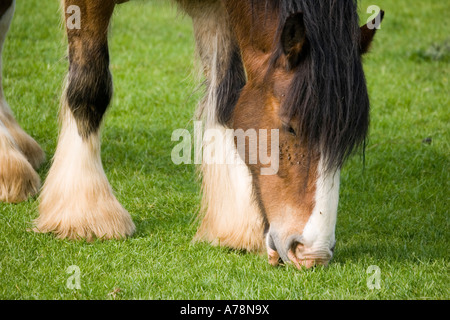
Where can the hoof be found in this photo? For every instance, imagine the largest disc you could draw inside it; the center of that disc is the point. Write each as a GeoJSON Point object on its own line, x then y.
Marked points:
{"type": "Point", "coordinates": [18, 179]}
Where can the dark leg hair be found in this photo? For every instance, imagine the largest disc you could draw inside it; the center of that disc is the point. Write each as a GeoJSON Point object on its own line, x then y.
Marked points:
{"type": "Point", "coordinates": [89, 87]}
{"type": "Point", "coordinates": [77, 200]}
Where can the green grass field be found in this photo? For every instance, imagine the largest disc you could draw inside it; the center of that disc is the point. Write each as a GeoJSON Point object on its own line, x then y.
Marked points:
{"type": "Point", "coordinates": [393, 213]}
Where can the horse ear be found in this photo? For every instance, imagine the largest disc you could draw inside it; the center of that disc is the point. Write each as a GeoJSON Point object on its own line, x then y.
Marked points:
{"type": "Point", "coordinates": [293, 38]}
{"type": "Point", "coordinates": [368, 32]}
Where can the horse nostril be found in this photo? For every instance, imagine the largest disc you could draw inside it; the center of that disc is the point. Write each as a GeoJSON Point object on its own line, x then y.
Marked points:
{"type": "Point", "coordinates": [295, 244]}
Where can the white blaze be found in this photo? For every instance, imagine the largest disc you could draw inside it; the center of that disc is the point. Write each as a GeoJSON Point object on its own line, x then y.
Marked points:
{"type": "Point", "coordinates": [319, 232]}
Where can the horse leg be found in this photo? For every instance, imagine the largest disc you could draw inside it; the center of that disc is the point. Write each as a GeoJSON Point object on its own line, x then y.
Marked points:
{"type": "Point", "coordinates": [77, 200]}
{"type": "Point", "coordinates": [230, 217]}
{"type": "Point", "coordinates": [19, 153]}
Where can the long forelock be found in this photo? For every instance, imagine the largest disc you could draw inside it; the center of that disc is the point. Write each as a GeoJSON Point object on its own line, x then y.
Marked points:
{"type": "Point", "coordinates": [328, 95]}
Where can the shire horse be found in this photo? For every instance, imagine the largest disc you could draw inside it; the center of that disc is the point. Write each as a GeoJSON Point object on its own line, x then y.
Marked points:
{"type": "Point", "coordinates": [290, 65]}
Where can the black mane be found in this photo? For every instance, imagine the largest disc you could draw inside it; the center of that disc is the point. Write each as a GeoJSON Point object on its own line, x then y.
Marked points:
{"type": "Point", "coordinates": [328, 94]}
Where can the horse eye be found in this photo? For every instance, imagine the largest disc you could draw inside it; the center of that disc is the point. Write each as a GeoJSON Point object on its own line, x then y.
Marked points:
{"type": "Point", "coordinates": [290, 130]}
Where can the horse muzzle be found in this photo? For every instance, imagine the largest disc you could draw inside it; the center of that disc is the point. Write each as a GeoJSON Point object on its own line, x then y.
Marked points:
{"type": "Point", "coordinates": [294, 249]}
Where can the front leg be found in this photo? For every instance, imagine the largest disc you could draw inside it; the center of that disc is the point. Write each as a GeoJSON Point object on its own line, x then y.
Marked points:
{"type": "Point", "coordinates": [77, 200]}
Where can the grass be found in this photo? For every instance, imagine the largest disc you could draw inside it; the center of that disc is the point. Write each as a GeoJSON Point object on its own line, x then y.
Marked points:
{"type": "Point", "coordinates": [392, 214]}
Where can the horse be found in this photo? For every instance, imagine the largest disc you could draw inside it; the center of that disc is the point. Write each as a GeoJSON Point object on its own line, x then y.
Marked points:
{"type": "Point", "coordinates": [294, 66]}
